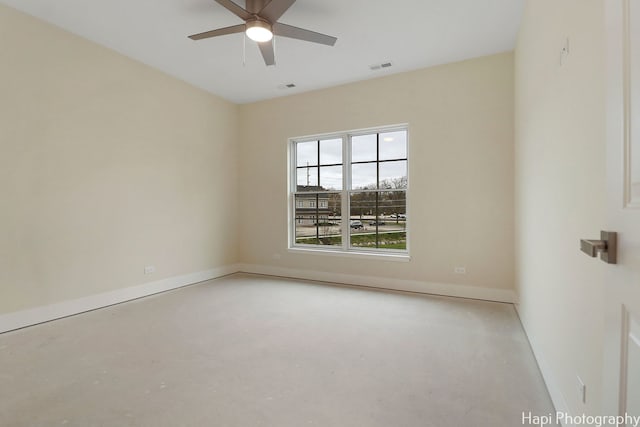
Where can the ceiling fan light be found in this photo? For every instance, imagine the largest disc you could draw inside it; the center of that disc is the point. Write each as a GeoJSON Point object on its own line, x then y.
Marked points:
{"type": "Point", "coordinates": [259, 31]}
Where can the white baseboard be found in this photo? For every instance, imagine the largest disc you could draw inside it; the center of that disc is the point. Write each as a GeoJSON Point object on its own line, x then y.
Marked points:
{"type": "Point", "coordinates": [557, 398]}
{"type": "Point", "coordinates": [446, 289]}
{"type": "Point", "coordinates": [33, 316]}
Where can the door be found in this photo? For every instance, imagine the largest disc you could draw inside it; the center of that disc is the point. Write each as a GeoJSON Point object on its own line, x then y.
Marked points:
{"type": "Point", "coordinates": [622, 287]}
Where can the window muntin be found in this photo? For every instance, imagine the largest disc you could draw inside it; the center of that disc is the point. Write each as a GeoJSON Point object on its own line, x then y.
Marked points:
{"type": "Point", "coordinates": [370, 186]}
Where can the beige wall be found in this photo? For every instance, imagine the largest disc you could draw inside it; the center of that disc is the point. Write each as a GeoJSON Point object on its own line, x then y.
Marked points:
{"type": "Point", "coordinates": [461, 170]}
{"type": "Point", "coordinates": [560, 192]}
{"type": "Point", "coordinates": [105, 166]}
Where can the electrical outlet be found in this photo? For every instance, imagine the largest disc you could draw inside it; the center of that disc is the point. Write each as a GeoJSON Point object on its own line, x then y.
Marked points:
{"type": "Point", "coordinates": [582, 390]}
{"type": "Point", "coordinates": [149, 269]}
{"type": "Point", "coordinates": [460, 270]}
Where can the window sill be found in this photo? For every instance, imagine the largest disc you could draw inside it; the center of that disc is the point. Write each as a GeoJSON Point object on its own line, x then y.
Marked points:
{"type": "Point", "coordinates": [353, 254]}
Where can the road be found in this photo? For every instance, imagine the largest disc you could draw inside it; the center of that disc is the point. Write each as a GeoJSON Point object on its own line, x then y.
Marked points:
{"type": "Point", "coordinates": [335, 230]}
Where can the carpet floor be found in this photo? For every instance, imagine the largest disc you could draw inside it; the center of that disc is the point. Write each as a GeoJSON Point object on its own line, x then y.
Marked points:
{"type": "Point", "coordinates": [248, 350]}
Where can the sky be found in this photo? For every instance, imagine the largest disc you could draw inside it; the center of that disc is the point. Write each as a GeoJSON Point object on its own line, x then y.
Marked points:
{"type": "Point", "coordinates": [393, 145]}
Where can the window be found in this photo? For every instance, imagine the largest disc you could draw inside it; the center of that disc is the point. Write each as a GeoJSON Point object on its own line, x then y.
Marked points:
{"type": "Point", "coordinates": [349, 191]}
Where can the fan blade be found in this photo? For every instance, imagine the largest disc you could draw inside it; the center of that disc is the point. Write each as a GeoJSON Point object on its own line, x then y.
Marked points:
{"type": "Point", "coordinates": [266, 48]}
{"type": "Point", "coordinates": [235, 9]}
{"type": "Point", "coordinates": [275, 9]}
{"type": "Point", "coordinates": [285, 30]}
{"type": "Point", "coordinates": [219, 32]}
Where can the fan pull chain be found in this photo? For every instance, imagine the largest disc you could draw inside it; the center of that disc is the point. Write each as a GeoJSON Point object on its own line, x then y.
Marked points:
{"type": "Point", "coordinates": [244, 50]}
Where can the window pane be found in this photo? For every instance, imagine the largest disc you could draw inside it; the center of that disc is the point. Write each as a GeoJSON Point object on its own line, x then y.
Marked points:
{"type": "Point", "coordinates": [331, 177]}
{"type": "Point", "coordinates": [318, 219]}
{"type": "Point", "coordinates": [307, 179]}
{"type": "Point", "coordinates": [393, 206]}
{"type": "Point", "coordinates": [393, 145]}
{"type": "Point", "coordinates": [331, 152]}
{"type": "Point", "coordinates": [363, 148]}
{"type": "Point", "coordinates": [378, 220]}
{"type": "Point", "coordinates": [393, 174]}
{"type": "Point", "coordinates": [363, 176]}
{"type": "Point", "coordinates": [363, 206]}
{"type": "Point", "coordinates": [307, 153]}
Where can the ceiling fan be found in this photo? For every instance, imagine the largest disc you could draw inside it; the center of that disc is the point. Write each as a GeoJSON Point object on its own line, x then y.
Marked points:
{"type": "Point", "coordinates": [261, 24]}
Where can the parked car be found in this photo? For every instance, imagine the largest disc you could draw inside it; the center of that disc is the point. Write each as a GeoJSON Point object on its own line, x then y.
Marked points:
{"type": "Point", "coordinates": [356, 224]}
{"type": "Point", "coordinates": [377, 222]}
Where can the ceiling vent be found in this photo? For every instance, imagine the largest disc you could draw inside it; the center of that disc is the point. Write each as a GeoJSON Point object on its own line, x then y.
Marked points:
{"type": "Point", "coordinates": [287, 86]}
{"type": "Point", "coordinates": [375, 67]}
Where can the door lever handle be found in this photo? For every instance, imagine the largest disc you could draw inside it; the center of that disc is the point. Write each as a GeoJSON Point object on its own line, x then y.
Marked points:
{"type": "Point", "coordinates": [606, 247]}
{"type": "Point", "coordinates": [592, 247]}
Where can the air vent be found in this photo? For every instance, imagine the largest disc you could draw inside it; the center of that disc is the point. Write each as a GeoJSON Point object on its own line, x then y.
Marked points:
{"type": "Point", "coordinates": [287, 86]}
{"type": "Point", "coordinates": [375, 67]}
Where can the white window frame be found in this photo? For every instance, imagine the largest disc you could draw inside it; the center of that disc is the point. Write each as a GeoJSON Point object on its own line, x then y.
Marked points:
{"type": "Point", "coordinates": [345, 249]}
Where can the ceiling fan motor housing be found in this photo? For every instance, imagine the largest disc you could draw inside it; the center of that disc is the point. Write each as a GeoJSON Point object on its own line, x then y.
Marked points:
{"type": "Point", "coordinates": [259, 29]}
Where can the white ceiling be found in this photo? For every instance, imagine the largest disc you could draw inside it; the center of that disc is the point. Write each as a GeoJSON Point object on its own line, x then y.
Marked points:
{"type": "Point", "coordinates": [411, 33]}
